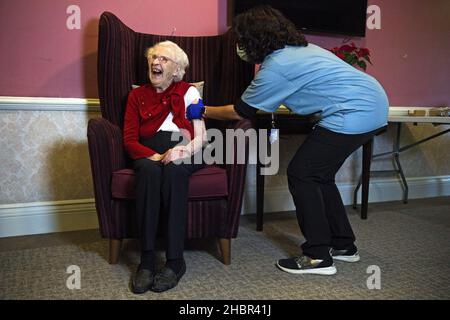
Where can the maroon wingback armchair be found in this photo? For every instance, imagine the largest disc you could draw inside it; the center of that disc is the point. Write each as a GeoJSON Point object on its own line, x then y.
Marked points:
{"type": "Point", "coordinates": [215, 192]}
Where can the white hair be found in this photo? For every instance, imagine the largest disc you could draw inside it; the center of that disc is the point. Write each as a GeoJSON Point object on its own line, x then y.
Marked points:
{"type": "Point", "coordinates": [178, 56]}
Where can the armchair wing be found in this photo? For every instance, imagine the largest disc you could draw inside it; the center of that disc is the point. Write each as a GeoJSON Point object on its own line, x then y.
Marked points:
{"type": "Point", "coordinates": [236, 181]}
{"type": "Point", "coordinates": [122, 63]}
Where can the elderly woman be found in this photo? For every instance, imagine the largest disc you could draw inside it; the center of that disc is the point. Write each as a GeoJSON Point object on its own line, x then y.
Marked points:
{"type": "Point", "coordinates": [155, 115]}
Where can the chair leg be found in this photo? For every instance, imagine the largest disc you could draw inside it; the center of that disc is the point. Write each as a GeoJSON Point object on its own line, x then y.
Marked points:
{"type": "Point", "coordinates": [115, 246]}
{"type": "Point", "coordinates": [225, 249]}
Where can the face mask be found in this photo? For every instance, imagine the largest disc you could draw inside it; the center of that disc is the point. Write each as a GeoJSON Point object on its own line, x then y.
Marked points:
{"type": "Point", "coordinates": [241, 53]}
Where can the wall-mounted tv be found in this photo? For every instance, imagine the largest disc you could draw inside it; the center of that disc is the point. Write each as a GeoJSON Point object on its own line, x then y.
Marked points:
{"type": "Point", "coordinates": [343, 17]}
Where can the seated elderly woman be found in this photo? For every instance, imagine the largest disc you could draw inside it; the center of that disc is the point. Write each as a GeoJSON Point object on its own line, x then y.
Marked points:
{"type": "Point", "coordinates": [155, 115]}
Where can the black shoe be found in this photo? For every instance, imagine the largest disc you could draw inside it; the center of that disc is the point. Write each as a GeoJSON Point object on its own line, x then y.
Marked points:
{"type": "Point", "coordinates": [167, 279]}
{"type": "Point", "coordinates": [348, 255]}
{"type": "Point", "coordinates": [143, 281]}
{"type": "Point", "coordinates": [306, 265]}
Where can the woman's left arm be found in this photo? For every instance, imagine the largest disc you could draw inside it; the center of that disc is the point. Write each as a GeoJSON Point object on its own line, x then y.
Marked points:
{"type": "Point", "coordinates": [200, 136]}
{"type": "Point", "coordinates": [195, 145]}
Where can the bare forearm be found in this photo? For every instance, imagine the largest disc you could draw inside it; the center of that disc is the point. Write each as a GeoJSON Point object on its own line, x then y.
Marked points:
{"type": "Point", "coordinates": [222, 113]}
{"type": "Point", "coordinates": [199, 136]}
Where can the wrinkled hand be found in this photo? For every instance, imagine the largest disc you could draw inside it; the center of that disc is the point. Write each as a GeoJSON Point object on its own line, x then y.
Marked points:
{"type": "Point", "coordinates": [176, 153]}
{"type": "Point", "coordinates": [195, 110]}
{"type": "Point", "coordinates": [157, 156]}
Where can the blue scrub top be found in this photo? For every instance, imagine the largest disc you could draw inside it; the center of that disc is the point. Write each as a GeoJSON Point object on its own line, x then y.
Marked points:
{"type": "Point", "coordinates": [311, 79]}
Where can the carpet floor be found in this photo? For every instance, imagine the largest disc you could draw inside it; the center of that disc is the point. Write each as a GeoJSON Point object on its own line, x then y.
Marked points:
{"type": "Point", "coordinates": [405, 246]}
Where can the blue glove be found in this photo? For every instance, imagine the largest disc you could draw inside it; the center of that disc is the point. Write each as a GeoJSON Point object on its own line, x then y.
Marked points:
{"type": "Point", "coordinates": [195, 110]}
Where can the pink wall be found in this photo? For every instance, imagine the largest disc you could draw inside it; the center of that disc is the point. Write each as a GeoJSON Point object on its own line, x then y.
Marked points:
{"type": "Point", "coordinates": [39, 56]}
{"type": "Point", "coordinates": [411, 52]}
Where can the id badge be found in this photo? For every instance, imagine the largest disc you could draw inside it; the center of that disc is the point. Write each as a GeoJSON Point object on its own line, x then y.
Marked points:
{"type": "Point", "coordinates": [273, 135]}
{"type": "Point", "coordinates": [274, 132]}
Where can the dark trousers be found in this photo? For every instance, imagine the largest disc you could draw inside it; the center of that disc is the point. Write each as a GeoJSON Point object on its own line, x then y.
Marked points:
{"type": "Point", "coordinates": [162, 187]}
{"type": "Point", "coordinates": [311, 176]}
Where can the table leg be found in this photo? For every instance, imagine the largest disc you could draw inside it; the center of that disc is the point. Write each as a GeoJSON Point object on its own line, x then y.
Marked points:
{"type": "Point", "coordinates": [397, 162]}
{"type": "Point", "coordinates": [259, 197]}
{"type": "Point", "coordinates": [355, 194]}
{"type": "Point", "coordinates": [259, 189]}
{"type": "Point", "coordinates": [367, 158]}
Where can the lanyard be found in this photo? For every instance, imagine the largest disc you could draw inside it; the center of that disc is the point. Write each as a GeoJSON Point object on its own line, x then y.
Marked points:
{"type": "Point", "coordinates": [273, 135]}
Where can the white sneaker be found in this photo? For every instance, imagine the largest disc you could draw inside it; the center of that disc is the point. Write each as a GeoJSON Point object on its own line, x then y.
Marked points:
{"type": "Point", "coordinates": [346, 255]}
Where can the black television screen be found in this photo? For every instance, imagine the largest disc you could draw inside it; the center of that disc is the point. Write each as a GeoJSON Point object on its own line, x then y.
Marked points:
{"type": "Point", "coordinates": [344, 17]}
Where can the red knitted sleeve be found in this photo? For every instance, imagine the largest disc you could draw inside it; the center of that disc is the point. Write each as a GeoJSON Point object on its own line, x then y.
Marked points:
{"type": "Point", "coordinates": [131, 130]}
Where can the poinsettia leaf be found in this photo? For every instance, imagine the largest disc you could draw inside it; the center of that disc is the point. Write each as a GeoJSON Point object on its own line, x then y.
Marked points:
{"type": "Point", "coordinates": [367, 58]}
{"type": "Point", "coordinates": [362, 64]}
{"type": "Point", "coordinates": [346, 48]}
{"type": "Point", "coordinates": [346, 57]}
{"type": "Point", "coordinates": [353, 55]}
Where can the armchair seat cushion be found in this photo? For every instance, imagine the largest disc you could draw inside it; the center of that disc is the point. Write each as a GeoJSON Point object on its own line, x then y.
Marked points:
{"type": "Point", "coordinates": [207, 183]}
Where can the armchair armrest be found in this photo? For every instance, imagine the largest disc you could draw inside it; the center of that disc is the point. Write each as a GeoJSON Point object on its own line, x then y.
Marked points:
{"type": "Point", "coordinates": [106, 156]}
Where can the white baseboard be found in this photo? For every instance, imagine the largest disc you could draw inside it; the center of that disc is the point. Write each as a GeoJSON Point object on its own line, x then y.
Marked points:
{"type": "Point", "coordinates": [46, 217]}
{"type": "Point", "coordinates": [70, 215]}
{"type": "Point", "coordinates": [49, 104]}
{"type": "Point", "coordinates": [380, 190]}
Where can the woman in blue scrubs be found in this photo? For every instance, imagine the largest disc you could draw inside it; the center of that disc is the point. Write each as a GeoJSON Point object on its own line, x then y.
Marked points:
{"type": "Point", "coordinates": [308, 79]}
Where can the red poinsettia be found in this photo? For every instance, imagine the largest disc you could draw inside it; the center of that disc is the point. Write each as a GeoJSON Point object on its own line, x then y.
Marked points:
{"type": "Point", "coordinates": [353, 55]}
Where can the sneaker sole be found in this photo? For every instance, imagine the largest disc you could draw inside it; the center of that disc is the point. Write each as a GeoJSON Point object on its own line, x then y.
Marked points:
{"type": "Point", "coordinates": [354, 258]}
{"type": "Point", "coordinates": [326, 271]}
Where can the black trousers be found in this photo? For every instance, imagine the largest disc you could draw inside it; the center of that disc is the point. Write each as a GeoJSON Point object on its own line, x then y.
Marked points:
{"type": "Point", "coordinates": [162, 188]}
{"type": "Point", "coordinates": [311, 176]}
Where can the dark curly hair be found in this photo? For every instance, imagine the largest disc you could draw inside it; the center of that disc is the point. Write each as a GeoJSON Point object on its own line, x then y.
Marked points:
{"type": "Point", "coordinates": [262, 30]}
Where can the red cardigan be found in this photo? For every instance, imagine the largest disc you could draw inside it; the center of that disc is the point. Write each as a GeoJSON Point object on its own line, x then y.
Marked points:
{"type": "Point", "coordinates": [146, 111]}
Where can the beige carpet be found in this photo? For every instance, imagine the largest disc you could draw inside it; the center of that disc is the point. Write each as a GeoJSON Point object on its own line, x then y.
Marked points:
{"type": "Point", "coordinates": [409, 243]}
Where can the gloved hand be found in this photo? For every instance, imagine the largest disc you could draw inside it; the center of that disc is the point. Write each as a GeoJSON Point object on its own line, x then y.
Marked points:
{"type": "Point", "coordinates": [195, 110]}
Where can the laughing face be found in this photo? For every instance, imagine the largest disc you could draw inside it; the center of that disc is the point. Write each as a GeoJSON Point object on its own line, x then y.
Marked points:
{"type": "Point", "coordinates": [162, 68]}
